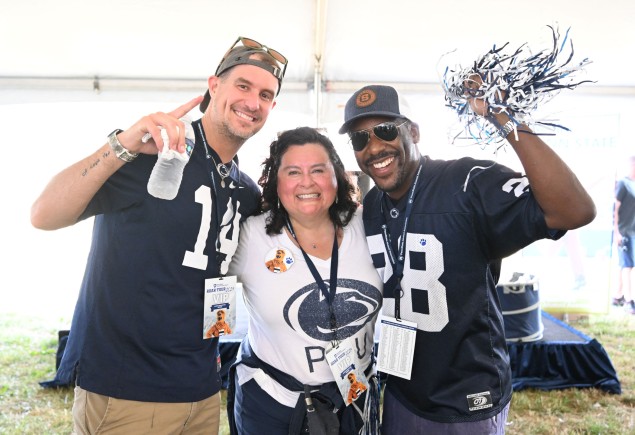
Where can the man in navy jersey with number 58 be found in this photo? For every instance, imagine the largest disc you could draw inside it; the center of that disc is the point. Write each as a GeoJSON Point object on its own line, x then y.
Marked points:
{"type": "Point", "coordinates": [137, 349]}
{"type": "Point", "coordinates": [437, 231]}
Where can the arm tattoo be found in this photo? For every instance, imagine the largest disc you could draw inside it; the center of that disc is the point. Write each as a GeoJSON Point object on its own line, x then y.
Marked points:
{"type": "Point", "coordinates": [95, 163]}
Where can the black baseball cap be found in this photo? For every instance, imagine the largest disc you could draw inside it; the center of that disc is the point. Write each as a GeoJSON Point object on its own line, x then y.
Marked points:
{"type": "Point", "coordinates": [374, 100]}
{"type": "Point", "coordinates": [242, 55]}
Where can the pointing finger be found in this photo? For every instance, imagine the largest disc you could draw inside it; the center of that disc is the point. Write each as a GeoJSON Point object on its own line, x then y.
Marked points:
{"type": "Point", "coordinates": [181, 111]}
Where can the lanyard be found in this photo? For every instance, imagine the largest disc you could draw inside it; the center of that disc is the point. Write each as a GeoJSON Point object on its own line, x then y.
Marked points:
{"type": "Point", "coordinates": [394, 282]}
{"type": "Point", "coordinates": [329, 293]}
{"type": "Point", "coordinates": [234, 200]}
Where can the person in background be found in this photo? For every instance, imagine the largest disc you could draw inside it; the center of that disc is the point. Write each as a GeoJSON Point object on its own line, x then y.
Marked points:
{"type": "Point", "coordinates": [624, 235]}
{"type": "Point", "coordinates": [437, 232]}
{"type": "Point", "coordinates": [136, 349]}
{"type": "Point", "coordinates": [319, 296]}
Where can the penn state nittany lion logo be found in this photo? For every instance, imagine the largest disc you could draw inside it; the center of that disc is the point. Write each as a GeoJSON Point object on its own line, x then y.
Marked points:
{"type": "Point", "coordinates": [277, 263]}
{"type": "Point", "coordinates": [356, 388]}
{"type": "Point", "coordinates": [356, 303]}
{"type": "Point", "coordinates": [279, 260]}
{"type": "Point", "coordinates": [220, 328]}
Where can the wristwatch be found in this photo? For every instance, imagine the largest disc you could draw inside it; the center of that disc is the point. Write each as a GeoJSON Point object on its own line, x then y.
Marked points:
{"type": "Point", "coordinates": [119, 150]}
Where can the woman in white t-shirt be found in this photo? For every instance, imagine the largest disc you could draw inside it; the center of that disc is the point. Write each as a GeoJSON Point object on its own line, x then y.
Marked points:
{"type": "Point", "coordinates": [307, 338]}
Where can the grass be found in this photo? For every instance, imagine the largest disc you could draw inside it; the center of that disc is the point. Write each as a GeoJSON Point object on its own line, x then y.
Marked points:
{"type": "Point", "coordinates": [585, 411]}
{"type": "Point", "coordinates": [27, 356]}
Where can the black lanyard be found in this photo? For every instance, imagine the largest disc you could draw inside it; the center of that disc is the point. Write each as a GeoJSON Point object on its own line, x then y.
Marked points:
{"type": "Point", "coordinates": [329, 293]}
{"type": "Point", "coordinates": [397, 262]}
{"type": "Point", "coordinates": [234, 200]}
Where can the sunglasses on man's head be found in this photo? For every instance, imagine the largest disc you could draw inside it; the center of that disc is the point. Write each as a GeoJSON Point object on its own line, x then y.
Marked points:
{"type": "Point", "coordinates": [386, 131]}
{"type": "Point", "coordinates": [250, 43]}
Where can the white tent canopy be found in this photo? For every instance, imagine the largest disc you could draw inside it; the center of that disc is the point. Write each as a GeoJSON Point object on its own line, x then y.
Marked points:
{"type": "Point", "coordinates": [332, 45]}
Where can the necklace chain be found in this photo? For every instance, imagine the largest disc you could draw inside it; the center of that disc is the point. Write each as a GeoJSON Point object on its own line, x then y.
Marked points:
{"type": "Point", "coordinates": [313, 244]}
{"type": "Point", "coordinates": [221, 167]}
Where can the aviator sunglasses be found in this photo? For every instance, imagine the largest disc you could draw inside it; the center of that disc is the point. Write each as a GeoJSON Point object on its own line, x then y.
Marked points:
{"type": "Point", "coordinates": [386, 131]}
{"type": "Point", "coordinates": [250, 43]}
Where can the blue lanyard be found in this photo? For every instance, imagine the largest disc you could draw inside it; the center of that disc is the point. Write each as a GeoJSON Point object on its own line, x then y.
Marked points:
{"type": "Point", "coordinates": [329, 293]}
{"type": "Point", "coordinates": [234, 200]}
{"type": "Point", "coordinates": [394, 282]}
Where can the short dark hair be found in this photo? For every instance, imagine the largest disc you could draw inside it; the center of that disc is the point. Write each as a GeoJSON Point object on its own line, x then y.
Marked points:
{"type": "Point", "coordinates": [340, 212]}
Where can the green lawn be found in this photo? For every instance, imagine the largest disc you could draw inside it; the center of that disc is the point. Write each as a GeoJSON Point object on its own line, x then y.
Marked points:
{"type": "Point", "coordinates": [27, 356]}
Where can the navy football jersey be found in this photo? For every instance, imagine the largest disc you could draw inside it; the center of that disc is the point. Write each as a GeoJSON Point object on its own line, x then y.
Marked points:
{"type": "Point", "coordinates": [137, 330]}
{"type": "Point", "coordinates": [466, 216]}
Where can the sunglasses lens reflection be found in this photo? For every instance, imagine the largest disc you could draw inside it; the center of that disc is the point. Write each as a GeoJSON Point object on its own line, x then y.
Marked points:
{"type": "Point", "coordinates": [255, 44]}
{"type": "Point", "coordinates": [387, 132]}
{"type": "Point", "coordinates": [250, 43]}
{"type": "Point", "coordinates": [277, 56]}
{"type": "Point", "coordinates": [359, 139]}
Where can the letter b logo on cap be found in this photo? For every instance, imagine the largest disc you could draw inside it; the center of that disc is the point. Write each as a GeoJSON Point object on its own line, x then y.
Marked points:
{"type": "Point", "coordinates": [365, 98]}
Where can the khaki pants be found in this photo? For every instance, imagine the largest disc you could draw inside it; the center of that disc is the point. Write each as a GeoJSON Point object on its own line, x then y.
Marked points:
{"type": "Point", "coordinates": [97, 414]}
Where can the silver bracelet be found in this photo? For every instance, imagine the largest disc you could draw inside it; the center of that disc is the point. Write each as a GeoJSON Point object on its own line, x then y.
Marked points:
{"type": "Point", "coordinates": [507, 128]}
{"type": "Point", "coordinates": [119, 149]}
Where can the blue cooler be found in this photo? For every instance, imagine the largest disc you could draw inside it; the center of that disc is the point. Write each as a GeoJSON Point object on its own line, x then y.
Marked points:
{"type": "Point", "coordinates": [520, 303]}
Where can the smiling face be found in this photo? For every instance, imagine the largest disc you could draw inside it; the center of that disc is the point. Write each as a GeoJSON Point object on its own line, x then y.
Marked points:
{"type": "Point", "coordinates": [241, 100]}
{"type": "Point", "coordinates": [392, 164]}
{"type": "Point", "coordinates": [307, 186]}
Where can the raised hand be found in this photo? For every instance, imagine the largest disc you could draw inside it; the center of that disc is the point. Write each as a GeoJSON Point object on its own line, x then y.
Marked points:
{"type": "Point", "coordinates": [145, 135]}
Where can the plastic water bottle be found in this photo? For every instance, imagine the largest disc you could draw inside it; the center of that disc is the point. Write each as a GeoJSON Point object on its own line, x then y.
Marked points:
{"type": "Point", "coordinates": [167, 173]}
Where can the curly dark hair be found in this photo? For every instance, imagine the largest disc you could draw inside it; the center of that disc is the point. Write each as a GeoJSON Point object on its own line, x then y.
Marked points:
{"type": "Point", "coordinates": [340, 212]}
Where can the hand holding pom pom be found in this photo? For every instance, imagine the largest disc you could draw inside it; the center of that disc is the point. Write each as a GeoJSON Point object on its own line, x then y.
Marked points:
{"type": "Point", "coordinates": [508, 84]}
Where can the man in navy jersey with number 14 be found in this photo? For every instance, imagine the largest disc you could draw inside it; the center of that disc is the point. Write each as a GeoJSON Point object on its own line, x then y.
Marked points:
{"type": "Point", "coordinates": [137, 349]}
{"type": "Point", "coordinates": [437, 231]}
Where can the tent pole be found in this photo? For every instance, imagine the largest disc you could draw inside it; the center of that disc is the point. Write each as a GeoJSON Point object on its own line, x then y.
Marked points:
{"type": "Point", "coordinates": [320, 27]}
